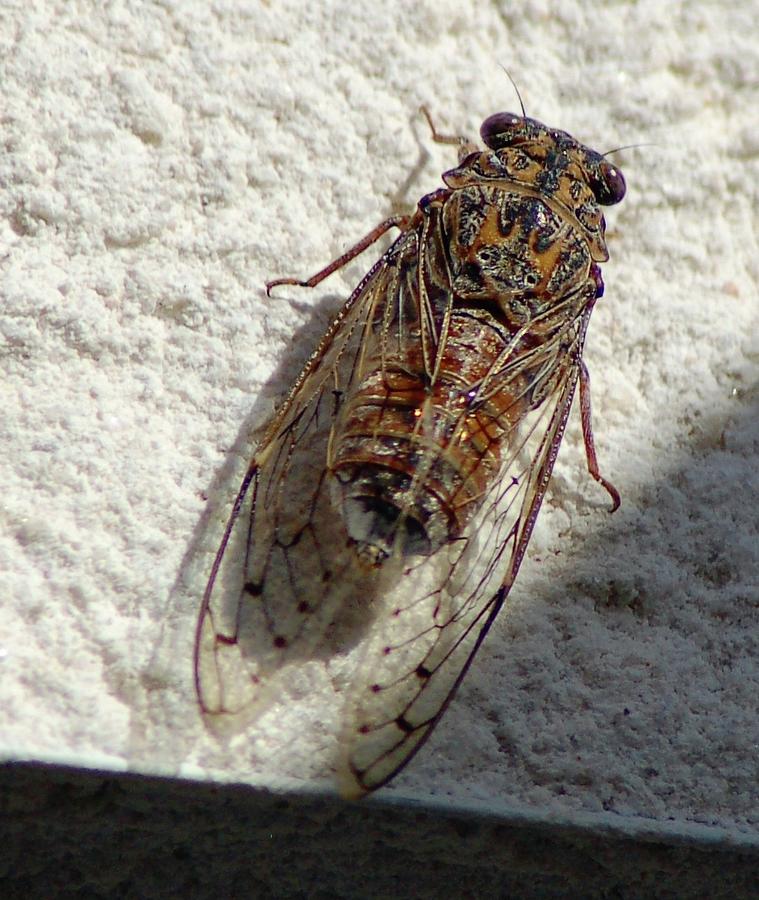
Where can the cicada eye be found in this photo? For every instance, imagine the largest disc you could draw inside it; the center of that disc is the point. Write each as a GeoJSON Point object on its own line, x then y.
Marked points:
{"type": "Point", "coordinates": [499, 129]}
{"type": "Point", "coordinates": [609, 187]}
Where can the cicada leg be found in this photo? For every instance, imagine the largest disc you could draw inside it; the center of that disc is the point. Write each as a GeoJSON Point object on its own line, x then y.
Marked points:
{"type": "Point", "coordinates": [587, 434]}
{"type": "Point", "coordinates": [458, 140]}
{"type": "Point", "coordinates": [375, 234]}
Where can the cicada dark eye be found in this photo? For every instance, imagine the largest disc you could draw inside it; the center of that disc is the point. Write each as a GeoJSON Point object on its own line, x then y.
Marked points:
{"type": "Point", "coordinates": [499, 129]}
{"type": "Point", "coordinates": [609, 186]}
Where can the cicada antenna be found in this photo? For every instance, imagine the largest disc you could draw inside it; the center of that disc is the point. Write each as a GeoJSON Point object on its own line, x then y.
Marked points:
{"type": "Point", "coordinates": [629, 147]}
{"type": "Point", "coordinates": [516, 89]}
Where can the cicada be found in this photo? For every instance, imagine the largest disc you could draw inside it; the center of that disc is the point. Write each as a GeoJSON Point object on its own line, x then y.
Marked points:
{"type": "Point", "coordinates": [389, 504]}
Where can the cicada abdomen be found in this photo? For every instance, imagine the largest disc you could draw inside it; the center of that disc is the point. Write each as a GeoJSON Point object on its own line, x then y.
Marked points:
{"type": "Point", "coordinates": [483, 324]}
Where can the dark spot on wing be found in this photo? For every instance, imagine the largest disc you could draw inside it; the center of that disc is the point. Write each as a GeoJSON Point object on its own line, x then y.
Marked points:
{"type": "Point", "coordinates": [405, 726]}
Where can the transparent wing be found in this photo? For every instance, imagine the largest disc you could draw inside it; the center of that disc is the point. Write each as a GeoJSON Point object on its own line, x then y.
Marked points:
{"type": "Point", "coordinates": [434, 622]}
{"type": "Point", "coordinates": [284, 564]}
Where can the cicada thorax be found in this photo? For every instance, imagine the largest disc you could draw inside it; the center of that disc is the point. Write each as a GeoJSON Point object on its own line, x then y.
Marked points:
{"type": "Point", "coordinates": [502, 275]}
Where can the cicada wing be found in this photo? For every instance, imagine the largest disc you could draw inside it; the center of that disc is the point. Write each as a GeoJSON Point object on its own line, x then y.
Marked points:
{"type": "Point", "coordinates": [437, 618]}
{"type": "Point", "coordinates": [285, 563]}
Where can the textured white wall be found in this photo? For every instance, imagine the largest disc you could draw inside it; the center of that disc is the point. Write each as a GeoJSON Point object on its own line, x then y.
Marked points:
{"type": "Point", "coordinates": [159, 163]}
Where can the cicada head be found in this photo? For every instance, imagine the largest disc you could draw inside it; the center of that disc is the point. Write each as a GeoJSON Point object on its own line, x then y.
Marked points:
{"type": "Point", "coordinates": [555, 149]}
{"type": "Point", "coordinates": [550, 164]}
